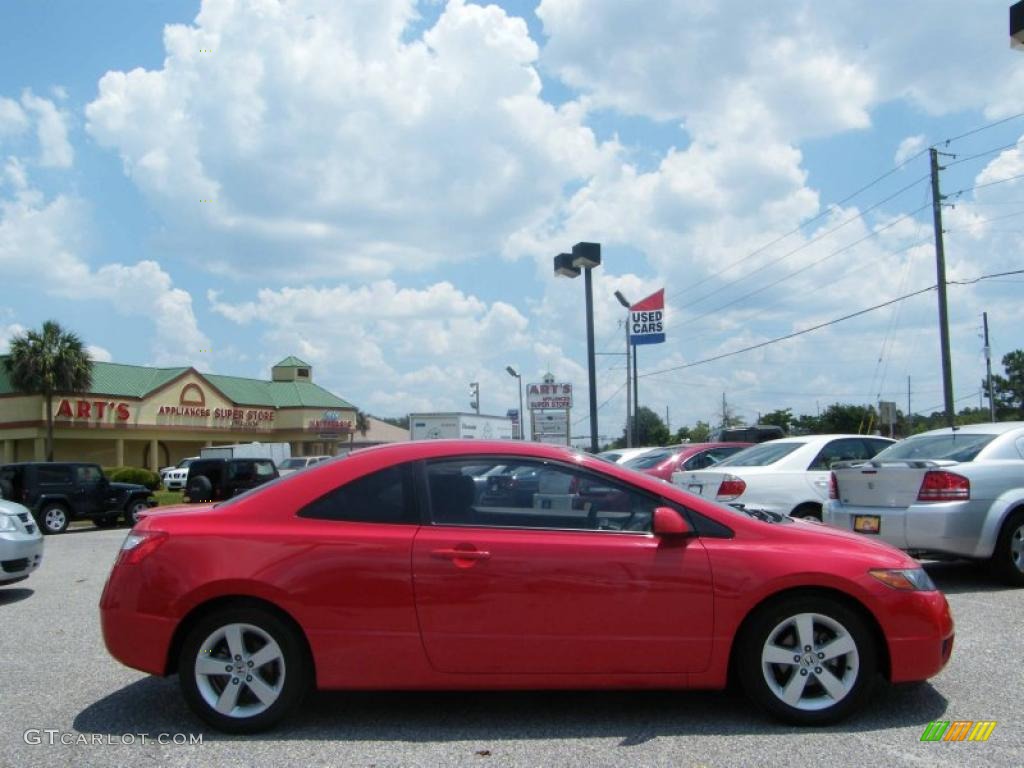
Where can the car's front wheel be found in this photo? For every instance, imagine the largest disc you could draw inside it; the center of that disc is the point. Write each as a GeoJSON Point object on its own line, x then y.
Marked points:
{"type": "Point", "coordinates": [54, 518]}
{"type": "Point", "coordinates": [243, 669]}
{"type": "Point", "coordinates": [807, 660]}
{"type": "Point", "coordinates": [1008, 558]}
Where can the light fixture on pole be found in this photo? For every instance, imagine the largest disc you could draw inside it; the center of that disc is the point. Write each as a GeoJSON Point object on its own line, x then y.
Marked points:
{"type": "Point", "coordinates": [522, 416]}
{"type": "Point", "coordinates": [584, 257]}
{"type": "Point", "coordinates": [629, 389]}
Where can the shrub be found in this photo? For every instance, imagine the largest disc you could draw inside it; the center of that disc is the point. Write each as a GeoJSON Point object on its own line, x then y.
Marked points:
{"type": "Point", "coordinates": [136, 475]}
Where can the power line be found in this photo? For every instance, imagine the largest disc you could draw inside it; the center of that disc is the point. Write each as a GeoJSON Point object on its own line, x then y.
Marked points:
{"type": "Point", "coordinates": [979, 129]}
{"type": "Point", "coordinates": [828, 323]}
{"type": "Point", "coordinates": [807, 244]}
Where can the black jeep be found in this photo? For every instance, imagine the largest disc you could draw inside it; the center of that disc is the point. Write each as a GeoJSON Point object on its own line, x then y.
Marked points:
{"type": "Point", "coordinates": [218, 479]}
{"type": "Point", "coordinates": [61, 491]}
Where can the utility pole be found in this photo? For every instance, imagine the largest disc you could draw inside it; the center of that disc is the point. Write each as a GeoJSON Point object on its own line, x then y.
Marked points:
{"type": "Point", "coordinates": [636, 397]}
{"type": "Point", "coordinates": [910, 414]}
{"type": "Point", "coordinates": [629, 388]}
{"type": "Point", "coordinates": [940, 273]}
{"type": "Point", "coordinates": [988, 371]}
{"type": "Point", "coordinates": [725, 413]}
{"type": "Point", "coordinates": [668, 422]}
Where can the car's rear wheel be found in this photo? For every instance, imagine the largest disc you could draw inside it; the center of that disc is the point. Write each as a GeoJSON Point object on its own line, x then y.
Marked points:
{"type": "Point", "coordinates": [807, 660]}
{"type": "Point", "coordinates": [134, 512]}
{"type": "Point", "coordinates": [807, 511]}
{"type": "Point", "coordinates": [243, 669]}
{"type": "Point", "coordinates": [54, 518]}
{"type": "Point", "coordinates": [1008, 559]}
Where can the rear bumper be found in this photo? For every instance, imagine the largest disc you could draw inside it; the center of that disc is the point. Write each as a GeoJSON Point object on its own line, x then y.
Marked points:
{"type": "Point", "coordinates": [925, 646]}
{"type": "Point", "coordinates": [136, 639]}
{"type": "Point", "coordinates": [954, 528]}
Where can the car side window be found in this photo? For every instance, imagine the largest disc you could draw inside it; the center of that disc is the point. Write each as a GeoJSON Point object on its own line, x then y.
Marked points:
{"type": "Point", "coordinates": [874, 446]}
{"type": "Point", "coordinates": [701, 460]}
{"type": "Point", "coordinates": [54, 474]}
{"type": "Point", "coordinates": [845, 449]}
{"type": "Point", "coordinates": [533, 494]}
{"type": "Point", "coordinates": [264, 469]}
{"type": "Point", "coordinates": [380, 497]}
{"type": "Point", "coordinates": [88, 475]}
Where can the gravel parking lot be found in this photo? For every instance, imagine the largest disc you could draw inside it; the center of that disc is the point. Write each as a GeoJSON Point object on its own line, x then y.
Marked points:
{"type": "Point", "coordinates": [57, 676]}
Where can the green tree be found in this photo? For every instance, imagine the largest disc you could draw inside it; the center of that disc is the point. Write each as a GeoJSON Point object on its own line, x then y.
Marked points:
{"type": "Point", "coordinates": [52, 361]}
{"type": "Point", "coordinates": [783, 417]}
{"type": "Point", "coordinates": [651, 430]}
{"type": "Point", "coordinates": [1009, 389]}
{"type": "Point", "coordinates": [849, 418]}
{"type": "Point", "coordinates": [361, 425]}
{"type": "Point", "coordinates": [682, 435]}
{"type": "Point", "coordinates": [700, 432]}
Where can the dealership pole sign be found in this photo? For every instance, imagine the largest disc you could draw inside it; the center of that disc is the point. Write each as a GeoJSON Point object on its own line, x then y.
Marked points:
{"type": "Point", "coordinates": [550, 403]}
{"type": "Point", "coordinates": [647, 320]}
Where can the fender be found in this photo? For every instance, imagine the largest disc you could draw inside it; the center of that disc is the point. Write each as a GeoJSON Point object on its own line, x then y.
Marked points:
{"type": "Point", "coordinates": [45, 498]}
{"type": "Point", "coordinates": [1004, 504]}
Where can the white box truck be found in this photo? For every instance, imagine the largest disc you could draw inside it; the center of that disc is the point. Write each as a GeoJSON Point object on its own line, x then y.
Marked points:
{"type": "Point", "coordinates": [437, 426]}
{"type": "Point", "coordinates": [277, 452]}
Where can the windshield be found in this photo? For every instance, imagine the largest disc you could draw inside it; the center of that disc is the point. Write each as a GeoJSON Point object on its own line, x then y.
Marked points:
{"type": "Point", "coordinates": [293, 464]}
{"type": "Point", "coordinates": [953, 447]}
{"type": "Point", "coordinates": [648, 460]}
{"type": "Point", "coordinates": [759, 455]}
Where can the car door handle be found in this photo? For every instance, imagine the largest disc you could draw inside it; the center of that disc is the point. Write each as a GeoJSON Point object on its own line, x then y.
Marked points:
{"type": "Point", "coordinates": [460, 554]}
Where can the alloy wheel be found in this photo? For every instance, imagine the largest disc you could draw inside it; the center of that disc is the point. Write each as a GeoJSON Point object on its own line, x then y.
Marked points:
{"type": "Point", "coordinates": [810, 661]}
{"type": "Point", "coordinates": [240, 671]}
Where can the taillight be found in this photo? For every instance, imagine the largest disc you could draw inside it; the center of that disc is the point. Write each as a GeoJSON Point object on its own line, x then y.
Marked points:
{"type": "Point", "coordinates": [730, 488]}
{"type": "Point", "coordinates": [139, 545]}
{"type": "Point", "coordinates": [833, 486]}
{"type": "Point", "coordinates": [939, 485]}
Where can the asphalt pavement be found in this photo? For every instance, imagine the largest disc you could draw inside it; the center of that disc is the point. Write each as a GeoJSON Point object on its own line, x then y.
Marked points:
{"type": "Point", "coordinates": [66, 702]}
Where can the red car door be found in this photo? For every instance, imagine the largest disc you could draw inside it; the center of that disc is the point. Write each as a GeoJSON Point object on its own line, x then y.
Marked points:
{"type": "Point", "coordinates": [557, 587]}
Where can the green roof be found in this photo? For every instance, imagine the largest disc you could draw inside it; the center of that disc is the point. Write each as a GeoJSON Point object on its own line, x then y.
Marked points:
{"type": "Point", "coordinates": [138, 381]}
{"type": "Point", "coordinates": [292, 362]}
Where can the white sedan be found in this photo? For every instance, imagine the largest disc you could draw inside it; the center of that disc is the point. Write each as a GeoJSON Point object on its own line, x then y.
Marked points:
{"type": "Point", "coordinates": [789, 476]}
{"type": "Point", "coordinates": [295, 463]}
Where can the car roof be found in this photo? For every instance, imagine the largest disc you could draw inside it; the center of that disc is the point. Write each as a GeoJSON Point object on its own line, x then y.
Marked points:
{"type": "Point", "coordinates": [985, 428]}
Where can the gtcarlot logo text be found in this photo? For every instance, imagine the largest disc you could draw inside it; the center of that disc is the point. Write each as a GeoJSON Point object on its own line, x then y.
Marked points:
{"type": "Point", "coordinates": [52, 737]}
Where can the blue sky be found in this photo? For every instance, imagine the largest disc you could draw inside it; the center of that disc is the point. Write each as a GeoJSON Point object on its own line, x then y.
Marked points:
{"type": "Point", "coordinates": [389, 181]}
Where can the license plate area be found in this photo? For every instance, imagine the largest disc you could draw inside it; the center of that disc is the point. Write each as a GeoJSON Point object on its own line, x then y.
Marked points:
{"type": "Point", "coordinates": [867, 524]}
{"type": "Point", "coordinates": [695, 488]}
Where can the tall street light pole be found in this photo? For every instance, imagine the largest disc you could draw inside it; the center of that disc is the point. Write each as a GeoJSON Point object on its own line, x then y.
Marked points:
{"type": "Point", "coordinates": [522, 416]}
{"type": "Point", "coordinates": [629, 391]}
{"type": "Point", "coordinates": [584, 257]}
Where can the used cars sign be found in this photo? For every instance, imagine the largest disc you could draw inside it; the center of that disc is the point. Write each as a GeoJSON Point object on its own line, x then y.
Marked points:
{"type": "Point", "coordinates": [647, 320]}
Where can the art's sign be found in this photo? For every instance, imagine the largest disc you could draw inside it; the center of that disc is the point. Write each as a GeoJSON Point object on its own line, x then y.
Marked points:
{"type": "Point", "coordinates": [549, 395]}
{"type": "Point", "coordinates": [647, 320]}
{"type": "Point", "coordinates": [93, 410]}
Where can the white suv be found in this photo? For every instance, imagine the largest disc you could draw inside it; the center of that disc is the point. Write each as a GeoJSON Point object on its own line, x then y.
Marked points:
{"type": "Point", "coordinates": [174, 478]}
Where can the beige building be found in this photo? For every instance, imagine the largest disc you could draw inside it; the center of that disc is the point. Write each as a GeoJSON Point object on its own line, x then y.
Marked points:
{"type": "Point", "coordinates": [154, 417]}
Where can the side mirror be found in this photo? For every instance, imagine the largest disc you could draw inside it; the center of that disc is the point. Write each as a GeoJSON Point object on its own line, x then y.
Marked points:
{"type": "Point", "coordinates": [668, 522]}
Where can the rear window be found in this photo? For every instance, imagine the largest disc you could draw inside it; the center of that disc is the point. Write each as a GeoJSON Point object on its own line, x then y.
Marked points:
{"type": "Point", "coordinates": [648, 460]}
{"type": "Point", "coordinates": [760, 455]}
{"type": "Point", "coordinates": [955, 447]}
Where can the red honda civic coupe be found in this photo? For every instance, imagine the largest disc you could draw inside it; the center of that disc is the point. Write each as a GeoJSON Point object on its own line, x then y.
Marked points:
{"type": "Point", "coordinates": [415, 566]}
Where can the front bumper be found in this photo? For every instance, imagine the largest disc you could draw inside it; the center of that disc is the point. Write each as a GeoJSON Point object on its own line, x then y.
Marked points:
{"type": "Point", "coordinates": [953, 527]}
{"type": "Point", "coordinates": [20, 554]}
{"type": "Point", "coordinates": [921, 643]}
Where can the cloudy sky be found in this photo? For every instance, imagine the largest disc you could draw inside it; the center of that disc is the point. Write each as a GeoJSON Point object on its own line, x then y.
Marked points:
{"type": "Point", "coordinates": [379, 187]}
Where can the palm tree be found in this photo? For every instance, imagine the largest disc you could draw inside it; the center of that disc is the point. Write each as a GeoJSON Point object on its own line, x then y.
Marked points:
{"type": "Point", "coordinates": [362, 426]}
{"type": "Point", "coordinates": [53, 361]}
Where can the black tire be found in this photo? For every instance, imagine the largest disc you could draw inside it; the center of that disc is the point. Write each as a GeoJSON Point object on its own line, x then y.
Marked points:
{"type": "Point", "coordinates": [131, 513]}
{"type": "Point", "coordinates": [288, 677]}
{"type": "Point", "coordinates": [1007, 561]}
{"type": "Point", "coordinates": [106, 522]}
{"type": "Point", "coordinates": [199, 489]}
{"type": "Point", "coordinates": [807, 512]}
{"type": "Point", "coordinates": [53, 518]}
{"type": "Point", "coordinates": [775, 626]}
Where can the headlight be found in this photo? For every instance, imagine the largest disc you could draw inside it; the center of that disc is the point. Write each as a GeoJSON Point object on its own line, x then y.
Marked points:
{"type": "Point", "coordinates": [7, 523]}
{"type": "Point", "coordinates": [905, 579]}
